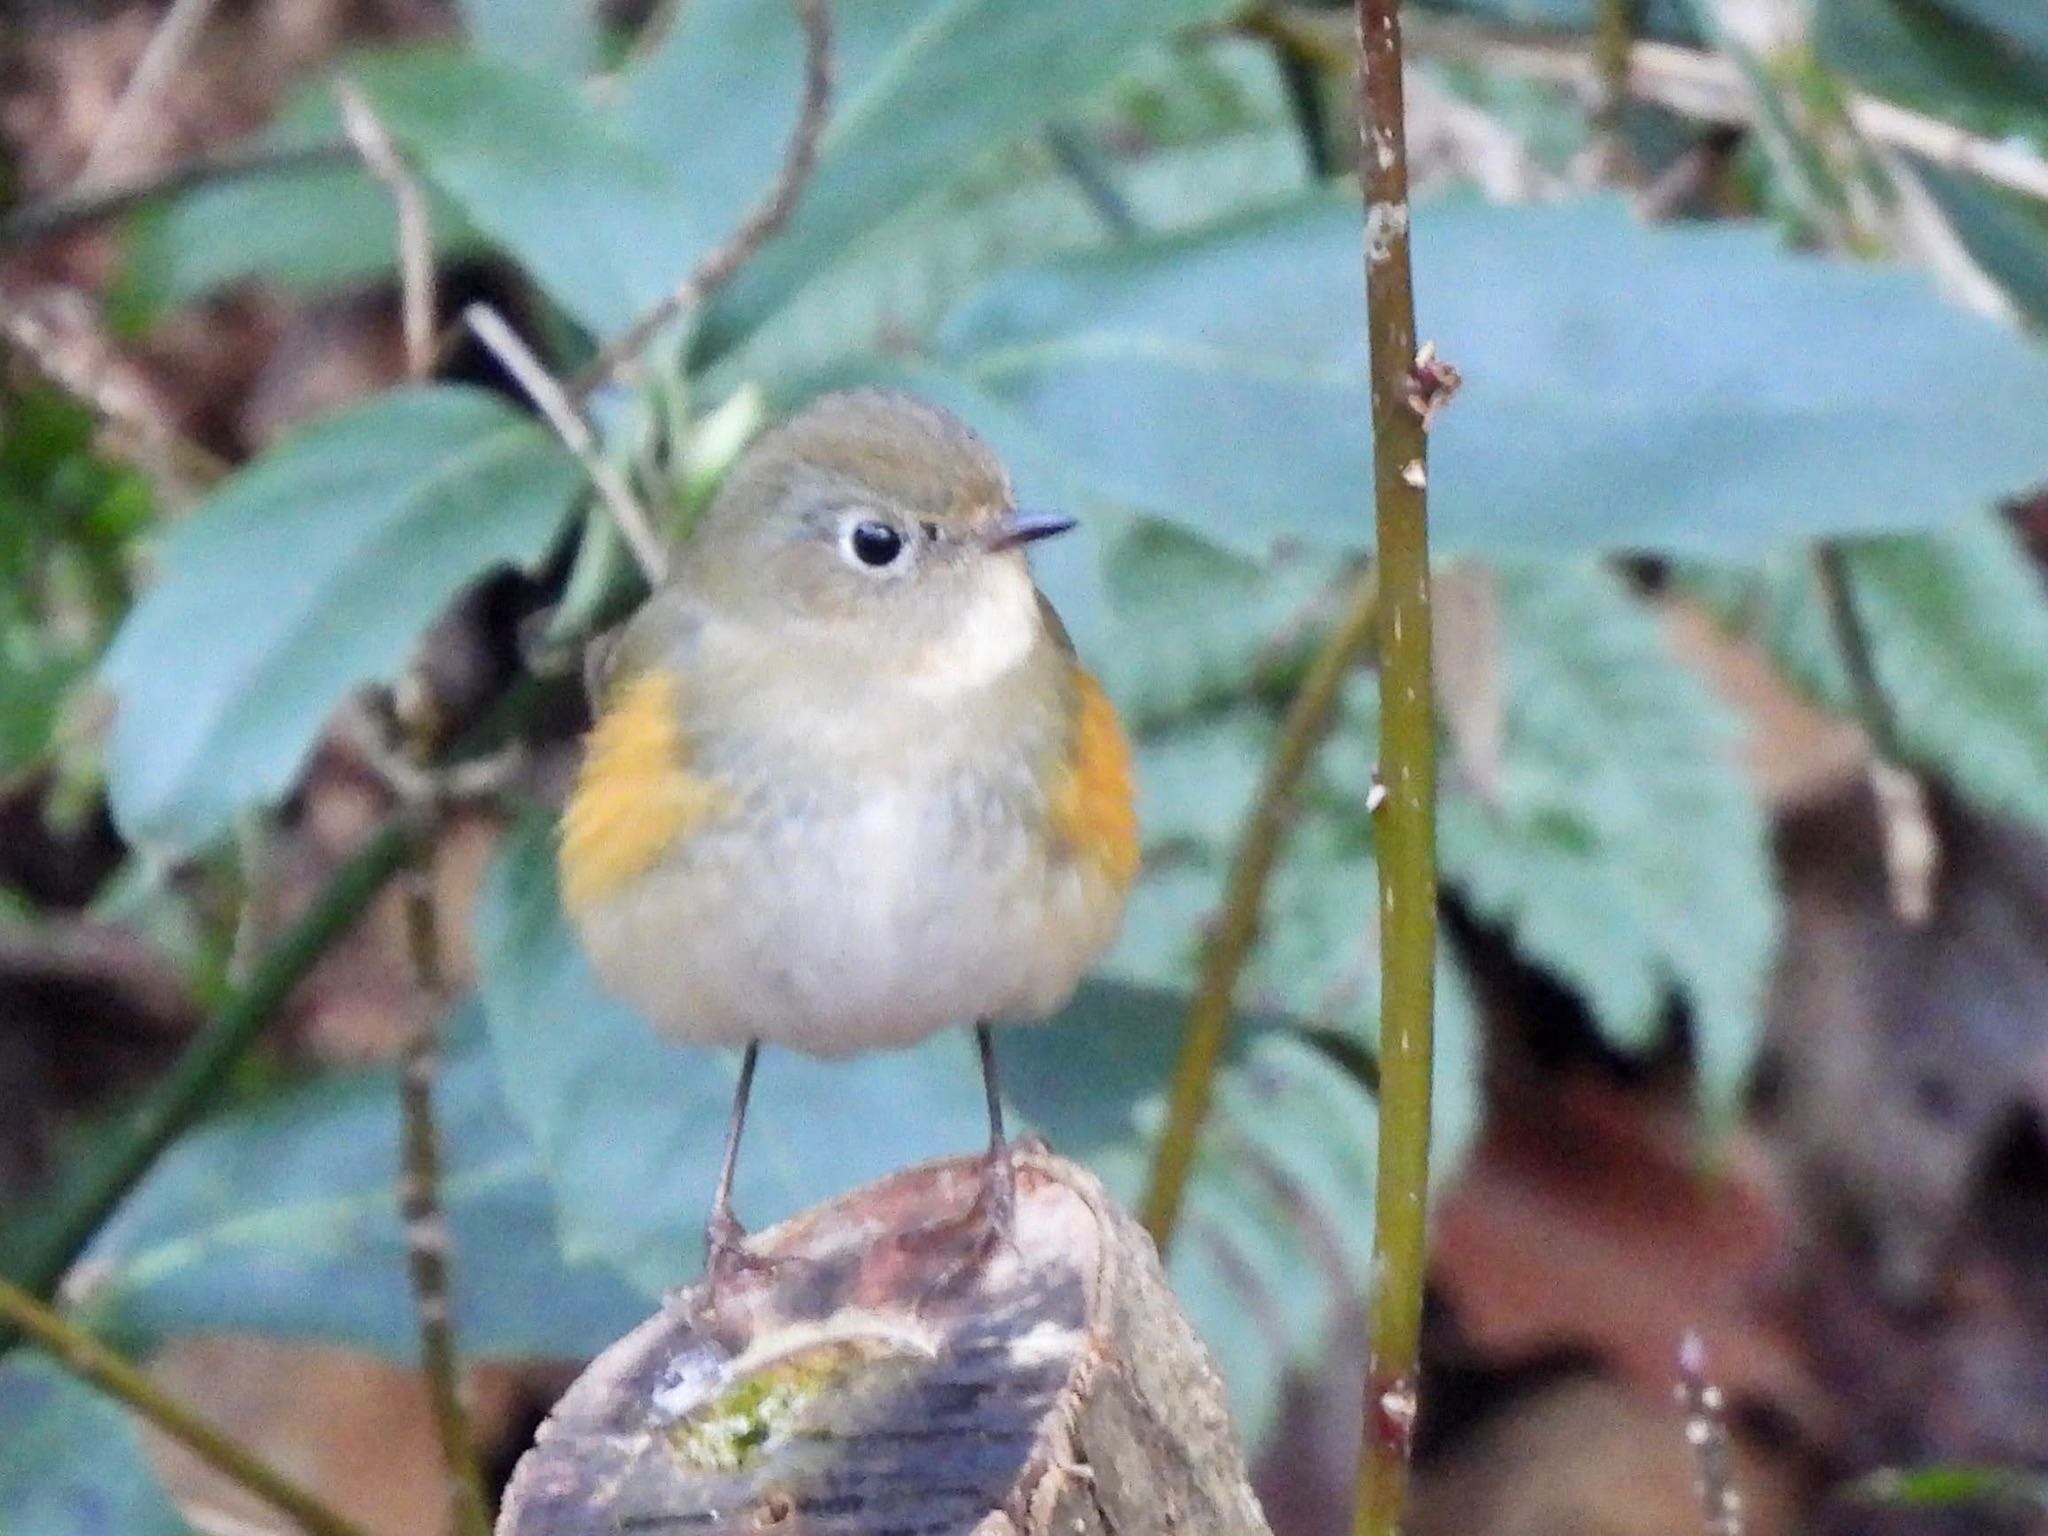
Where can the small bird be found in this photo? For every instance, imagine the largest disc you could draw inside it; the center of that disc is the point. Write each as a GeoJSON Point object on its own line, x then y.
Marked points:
{"type": "Point", "coordinates": [848, 784]}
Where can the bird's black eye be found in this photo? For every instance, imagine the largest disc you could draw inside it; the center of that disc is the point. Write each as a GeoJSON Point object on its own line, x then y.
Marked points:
{"type": "Point", "coordinates": [876, 544]}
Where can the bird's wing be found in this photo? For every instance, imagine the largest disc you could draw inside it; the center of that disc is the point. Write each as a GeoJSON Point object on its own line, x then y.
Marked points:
{"type": "Point", "coordinates": [664, 629]}
{"type": "Point", "coordinates": [639, 792]}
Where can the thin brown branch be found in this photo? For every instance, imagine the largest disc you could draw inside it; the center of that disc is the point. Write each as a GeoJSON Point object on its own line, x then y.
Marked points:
{"type": "Point", "coordinates": [1912, 851]}
{"type": "Point", "coordinates": [429, 1244]}
{"type": "Point", "coordinates": [760, 226]}
{"type": "Point", "coordinates": [1706, 1431]}
{"type": "Point", "coordinates": [553, 402]}
{"type": "Point", "coordinates": [79, 206]}
{"type": "Point", "coordinates": [67, 349]}
{"type": "Point", "coordinates": [100, 1368]}
{"type": "Point", "coordinates": [169, 46]}
{"type": "Point", "coordinates": [1409, 386]}
{"type": "Point", "coordinates": [1259, 844]}
{"type": "Point", "coordinates": [415, 230]}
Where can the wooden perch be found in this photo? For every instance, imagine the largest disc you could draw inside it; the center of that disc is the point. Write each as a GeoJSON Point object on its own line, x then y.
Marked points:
{"type": "Point", "coordinates": [870, 1384]}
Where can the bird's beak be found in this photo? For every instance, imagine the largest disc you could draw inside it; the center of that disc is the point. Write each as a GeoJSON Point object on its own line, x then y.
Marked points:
{"type": "Point", "coordinates": [1014, 529]}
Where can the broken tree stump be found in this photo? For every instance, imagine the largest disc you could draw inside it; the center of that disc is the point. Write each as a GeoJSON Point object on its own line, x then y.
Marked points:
{"type": "Point", "coordinates": [871, 1384]}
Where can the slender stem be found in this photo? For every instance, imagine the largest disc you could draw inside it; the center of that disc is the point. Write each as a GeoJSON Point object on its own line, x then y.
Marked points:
{"type": "Point", "coordinates": [1407, 388]}
{"type": "Point", "coordinates": [1259, 844]}
{"type": "Point", "coordinates": [1614, 25]}
{"type": "Point", "coordinates": [99, 1367]}
{"type": "Point", "coordinates": [176, 1101]}
{"type": "Point", "coordinates": [162, 57]}
{"type": "Point", "coordinates": [1912, 851]}
{"type": "Point", "coordinates": [1303, 56]}
{"type": "Point", "coordinates": [70, 209]}
{"type": "Point", "coordinates": [380, 154]}
{"type": "Point", "coordinates": [75, 357]}
{"type": "Point", "coordinates": [429, 1242]}
{"type": "Point", "coordinates": [554, 403]}
{"type": "Point", "coordinates": [760, 226]}
{"type": "Point", "coordinates": [1082, 163]}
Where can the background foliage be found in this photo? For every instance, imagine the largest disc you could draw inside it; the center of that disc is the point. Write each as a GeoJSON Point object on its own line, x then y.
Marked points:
{"type": "Point", "coordinates": [1182, 365]}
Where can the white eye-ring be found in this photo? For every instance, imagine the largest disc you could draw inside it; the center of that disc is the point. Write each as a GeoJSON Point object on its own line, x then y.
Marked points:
{"type": "Point", "coordinates": [874, 546]}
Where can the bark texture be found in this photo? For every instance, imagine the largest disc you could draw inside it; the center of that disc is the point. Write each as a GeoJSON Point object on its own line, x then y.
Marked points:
{"type": "Point", "coordinates": [876, 1381]}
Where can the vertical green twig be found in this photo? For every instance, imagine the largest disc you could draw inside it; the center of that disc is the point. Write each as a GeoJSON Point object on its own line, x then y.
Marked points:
{"type": "Point", "coordinates": [1306, 726]}
{"type": "Point", "coordinates": [175, 1102]}
{"type": "Point", "coordinates": [1614, 26]}
{"type": "Point", "coordinates": [1407, 388]}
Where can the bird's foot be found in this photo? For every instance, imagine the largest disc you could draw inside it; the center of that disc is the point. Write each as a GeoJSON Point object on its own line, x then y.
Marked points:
{"type": "Point", "coordinates": [970, 1241]}
{"type": "Point", "coordinates": [728, 1261]}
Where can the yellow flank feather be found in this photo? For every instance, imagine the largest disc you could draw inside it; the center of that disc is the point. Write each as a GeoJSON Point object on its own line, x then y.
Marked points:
{"type": "Point", "coordinates": [1092, 803]}
{"type": "Point", "coordinates": [635, 796]}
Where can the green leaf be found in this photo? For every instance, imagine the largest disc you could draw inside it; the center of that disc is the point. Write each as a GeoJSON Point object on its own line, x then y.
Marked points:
{"type": "Point", "coordinates": [559, 36]}
{"type": "Point", "coordinates": [1958, 630]}
{"type": "Point", "coordinates": [310, 230]}
{"type": "Point", "coordinates": [1674, 387]}
{"type": "Point", "coordinates": [310, 572]}
{"type": "Point", "coordinates": [1623, 849]}
{"type": "Point", "coordinates": [1983, 63]}
{"type": "Point", "coordinates": [36, 677]}
{"type": "Point", "coordinates": [71, 1462]}
{"type": "Point", "coordinates": [1670, 19]}
{"type": "Point", "coordinates": [899, 280]}
{"type": "Point", "coordinates": [2006, 234]}
{"type": "Point", "coordinates": [596, 220]}
{"type": "Point", "coordinates": [282, 1218]}
{"type": "Point", "coordinates": [925, 90]}
{"type": "Point", "coordinates": [630, 1127]}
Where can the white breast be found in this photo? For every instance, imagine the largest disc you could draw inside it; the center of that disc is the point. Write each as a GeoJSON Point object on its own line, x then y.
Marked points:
{"type": "Point", "coordinates": [860, 931]}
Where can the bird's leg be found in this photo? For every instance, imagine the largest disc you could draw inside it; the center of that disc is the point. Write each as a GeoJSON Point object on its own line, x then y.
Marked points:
{"type": "Point", "coordinates": [725, 1251]}
{"type": "Point", "coordinates": [968, 1241]}
{"type": "Point", "coordinates": [998, 1199]}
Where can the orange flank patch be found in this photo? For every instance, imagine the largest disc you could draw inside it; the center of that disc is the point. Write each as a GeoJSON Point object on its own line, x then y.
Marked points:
{"type": "Point", "coordinates": [635, 796]}
{"type": "Point", "coordinates": [1093, 809]}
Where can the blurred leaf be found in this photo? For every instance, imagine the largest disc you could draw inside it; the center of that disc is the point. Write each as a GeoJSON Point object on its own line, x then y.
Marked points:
{"type": "Point", "coordinates": [1624, 851]}
{"type": "Point", "coordinates": [1983, 63]}
{"type": "Point", "coordinates": [1682, 387]}
{"type": "Point", "coordinates": [1672, 20]}
{"type": "Point", "coordinates": [1950, 1487]}
{"type": "Point", "coordinates": [630, 1127]}
{"type": "Point", "coordinates": [1958, 628]}
{"type": "Point", "coordinates": [599, 222]}
{"type": "Point", "coordinates": [35, 680]}
{"type": "Point", "coordinates": [925, 89]}
{"type": "Point", "coordinates": [1197, 623]}
{"type": "Point", "coordinates": [559, 36]}
{"type": "Point", "coordinates": [71, 1462]}
{"type": "Point", "coordinates": [309, 230]}
{"type": "Point", "coordinates": [895, 283]}
{"type": "Point", "coordinates": [2006, 234]}
{"type": "Point", "coordinates": [282, 1217]}
{"type": "Point", "coordinates": [308, 573]}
